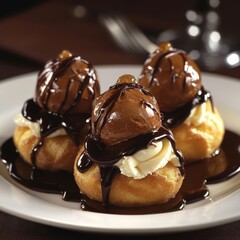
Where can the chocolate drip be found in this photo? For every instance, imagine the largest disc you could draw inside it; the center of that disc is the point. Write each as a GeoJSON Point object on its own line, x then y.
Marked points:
{"type": "Point", "coordinates": [79, 93]}
{"type": "Point", "coordinates": [164, 56]}
{"type": "Point", "coordinates": [75, 125]}
{"type": "Point", "coordinates": [176, 117]}
{"type": "Point", "coordinates": [107, 174]}
{"type": "Point", "coordinates": [224, 164]}
{"type": "Point", "coordinates": [106, 156]}
{"type": "Point", "coordinates": [101, 154]}
{"type": "Point", "coordinates": [53, 71]}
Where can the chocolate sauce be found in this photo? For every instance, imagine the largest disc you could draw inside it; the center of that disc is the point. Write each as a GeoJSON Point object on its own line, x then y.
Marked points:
{"type": "Point", "coordinates": [75, 125]}
{"type": "Point", "coordinates": [177, 203]}
{"type": "Point", "coordinates": [224, 164]}
{"type": "Point", "coordinates": [97, 152]}
{"type": "Point", "coordinates": [179, 115]}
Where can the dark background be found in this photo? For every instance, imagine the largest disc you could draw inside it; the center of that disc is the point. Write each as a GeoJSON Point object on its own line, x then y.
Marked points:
{"type": "Point", "coordinates": [31, 32]}
{"type": "Point", "coordinates": [38, 30]}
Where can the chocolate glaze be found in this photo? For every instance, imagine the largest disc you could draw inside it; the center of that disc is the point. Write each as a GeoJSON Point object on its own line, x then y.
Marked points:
{"type": "Point", "coordinates": [224, 164]}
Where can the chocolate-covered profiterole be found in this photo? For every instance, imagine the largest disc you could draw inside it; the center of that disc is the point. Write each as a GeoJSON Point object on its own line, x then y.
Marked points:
{"type": "Point", "coordinates": [125, 120]}
{"type": "Point", "coordinates": [62, 106]}
{"type": "Point", "coordinates": [171, 76]}
{"type": "Point", "coordinates": [174, 79]}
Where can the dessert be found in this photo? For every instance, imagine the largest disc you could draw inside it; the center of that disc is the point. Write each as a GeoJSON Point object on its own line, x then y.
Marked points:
{"type": "Point", "coordinates": [129, 159]}
{"type": "Point", "coordinates": [174, 79]}
{"type": "Point", "coordinates": [53, 124]}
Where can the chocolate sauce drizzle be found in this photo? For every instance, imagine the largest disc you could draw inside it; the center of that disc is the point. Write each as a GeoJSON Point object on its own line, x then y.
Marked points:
{"type": "Point", "coordinates": [167, 55]}
{"type": "Point", "coordinates": [179, 115]}
{"type": "Point", "coordinates": [55, 69]}
{"type": "Point", "coordinates": [224, 164]}
{"type": "Point", "coordinates": [75, 125]}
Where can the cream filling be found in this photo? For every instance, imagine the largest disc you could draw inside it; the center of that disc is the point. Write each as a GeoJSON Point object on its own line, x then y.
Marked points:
{"type": "Point", "coordinates": [35, 127]}
{"type": "Point", "coordinates": [199, 114]}
{"type": "Point", "coordinates": [147, 161]}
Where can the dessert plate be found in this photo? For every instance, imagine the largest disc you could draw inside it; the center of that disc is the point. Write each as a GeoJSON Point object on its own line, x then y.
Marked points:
{"type": "Point", "coordinates": [222, 206]}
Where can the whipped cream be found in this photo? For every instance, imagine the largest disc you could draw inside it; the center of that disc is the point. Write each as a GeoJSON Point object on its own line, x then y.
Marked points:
{"type": "Point", "coordinates": [35, 127]}
{"type": "Point", "coordinates": [147, 161]}
{"type": "Point", "coordinates": [199, 114]}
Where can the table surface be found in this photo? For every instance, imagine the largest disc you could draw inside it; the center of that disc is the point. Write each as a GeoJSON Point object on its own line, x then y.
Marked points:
{"type": "Point", "coordinates": [33, 34]}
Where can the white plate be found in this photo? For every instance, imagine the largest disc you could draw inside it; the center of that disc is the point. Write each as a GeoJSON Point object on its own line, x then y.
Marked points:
{"type": "Point", "coordinates": [223, 207]}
